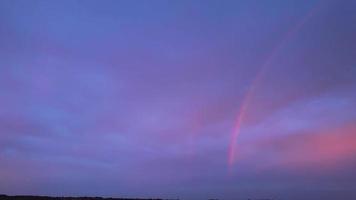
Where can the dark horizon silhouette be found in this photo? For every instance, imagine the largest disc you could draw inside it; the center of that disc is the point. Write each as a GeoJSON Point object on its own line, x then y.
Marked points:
{"type": "Point", "coordinates": [39, 197]}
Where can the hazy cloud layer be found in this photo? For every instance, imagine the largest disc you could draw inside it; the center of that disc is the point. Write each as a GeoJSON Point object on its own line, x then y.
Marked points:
{"type": "Point", "coordinates": [140, 99]}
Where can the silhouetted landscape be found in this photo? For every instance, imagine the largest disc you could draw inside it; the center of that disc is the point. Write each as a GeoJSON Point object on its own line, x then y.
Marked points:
{"type": "Point", "coordinates": [27, 197]}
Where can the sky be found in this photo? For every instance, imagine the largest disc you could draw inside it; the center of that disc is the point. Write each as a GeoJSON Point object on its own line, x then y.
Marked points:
{"type": "Point", "coordinates": [178, 99]}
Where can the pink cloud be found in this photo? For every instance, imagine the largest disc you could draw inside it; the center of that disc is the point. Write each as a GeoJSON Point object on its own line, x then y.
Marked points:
{"type": "Point", "coordinates": [324, 148]}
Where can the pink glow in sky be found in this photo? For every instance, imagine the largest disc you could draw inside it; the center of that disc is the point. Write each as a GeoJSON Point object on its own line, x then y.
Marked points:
{"type": "Point", "coordinates": [178, 99]}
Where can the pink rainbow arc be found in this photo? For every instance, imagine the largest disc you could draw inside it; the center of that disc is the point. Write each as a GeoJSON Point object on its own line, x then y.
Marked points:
{"type": "Point", "coordinates": [249, 94]}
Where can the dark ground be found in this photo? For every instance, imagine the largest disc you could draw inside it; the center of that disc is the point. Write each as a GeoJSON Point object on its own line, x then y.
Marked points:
{"type": "Point", "coordinates": [5, 197]}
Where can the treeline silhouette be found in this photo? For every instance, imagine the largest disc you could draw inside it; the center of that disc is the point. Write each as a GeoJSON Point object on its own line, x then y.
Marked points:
{"type": "Point", "coordinates": [25, 197]}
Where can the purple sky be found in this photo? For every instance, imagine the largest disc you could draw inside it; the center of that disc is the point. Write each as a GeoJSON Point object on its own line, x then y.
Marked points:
{"type": "Point", "coordinates": [178, 99]}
